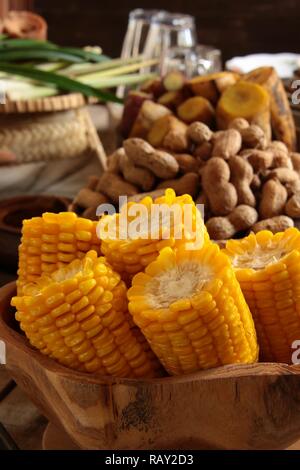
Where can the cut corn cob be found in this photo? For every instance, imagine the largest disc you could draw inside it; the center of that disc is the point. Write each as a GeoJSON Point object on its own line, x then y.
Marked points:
{"type": "Point", "coordinates": [267, 267]}
{"type": "Point", "coordinates": [190, 307]}
{"type": "Point", "coordinates": [129, 254]}
{"type": "Point", "coordinates": [78, 315]}
{"type": "Point", "coordinates": [52, 241]}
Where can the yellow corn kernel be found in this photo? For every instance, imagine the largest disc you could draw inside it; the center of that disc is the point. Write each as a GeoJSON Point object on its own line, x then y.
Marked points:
{"type": "Point", "coordinates": [53, 240]}
{"type": "Point", "coordinates": [69, 316]}
{"type": "Point", "coordinates": [129, 254]}
{"type": "Point", "coordinates": [190, 308]}
{"type": "Point", "coordinates": [267, 267]}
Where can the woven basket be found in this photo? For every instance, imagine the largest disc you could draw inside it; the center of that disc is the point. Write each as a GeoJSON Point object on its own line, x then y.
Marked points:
{"type": "Point", "coordinates": [48, 129]}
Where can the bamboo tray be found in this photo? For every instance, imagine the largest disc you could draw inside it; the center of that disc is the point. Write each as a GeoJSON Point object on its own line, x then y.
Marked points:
{"type": "Point", "coordinates": [44, 129]}
{"type": "Point", "coordinates": [48, 104]}
{"type": "Point", "coordinates": [233, 407]}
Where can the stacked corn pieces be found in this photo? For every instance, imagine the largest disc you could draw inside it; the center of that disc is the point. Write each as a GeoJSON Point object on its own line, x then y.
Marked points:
{"type": "Point", "coordinates": [131, 253]}
{"type": "Point", "coordinates": [190, 307]}
{"type": "Point", "coordinates": [51, 241]}
{"type": "Point", "coordinates": [268, 269]}
{"type": "Point", "coordinates": [78, 315]}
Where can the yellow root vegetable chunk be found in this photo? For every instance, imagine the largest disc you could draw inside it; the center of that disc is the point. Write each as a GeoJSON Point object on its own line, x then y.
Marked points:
{"type": "Point", "coordinates": [172, 99]}
{"type": "Point", "coordinates": [132, 106]}
{"type": "Point", "coordinates": [52, 241]}
{"type": "Point", "coordinates": [267, 267]}
{"type": "Point", "coordinates": [148, 114]}
{"type": "Point", "coordinates": [196, 109]}
{"type": "Point", "coordinates": [190, 308]}
{"type": "Point", "coordinates": [212, 85]}
{"type": "Point", "coordinates": [173, 80]}
{"type": "Point", "coordinates": [169, 133]}
{"type": "Point", "coordinates": [78, 316]}
{"type": "Point", "coordinates": [247, 100]}
{"type": "Point", "coordinates": [282, 118]}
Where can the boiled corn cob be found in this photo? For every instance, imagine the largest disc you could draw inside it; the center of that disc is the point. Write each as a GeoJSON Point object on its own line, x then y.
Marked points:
{"type": "Point", "coordinates": [267, 267]}
{"type": "Point", "coordinates": [78, 315]}
{"type": "Point", "coordinates": [52, 241]}
{"type": "Point", "coordinates": [130, 255]}
{"type": "Point", "coordinates": [190, 307]}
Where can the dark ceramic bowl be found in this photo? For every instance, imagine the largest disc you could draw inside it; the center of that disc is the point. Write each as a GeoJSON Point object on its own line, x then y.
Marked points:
{"type": "Point", "coordinates": [12, 213]}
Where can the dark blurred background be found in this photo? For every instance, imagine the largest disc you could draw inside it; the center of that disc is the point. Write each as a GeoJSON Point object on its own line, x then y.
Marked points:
{"type": "Point", "coordinates": [235, 26]}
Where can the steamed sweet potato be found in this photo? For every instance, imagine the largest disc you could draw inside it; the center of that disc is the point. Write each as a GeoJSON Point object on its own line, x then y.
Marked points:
{"type": "Point", "coordinates": [169, 133]}
{"type": "Point", "coordinates": [246, 100]}
{"type": "Point", "coordinates": [211, 86]}
{"type": "Point", "coordinates": [196, 109]}
{"type": "Point", "coordinates": [148, 114]}
{"type": "Point", "coordinates": [132, 106]}
{"type": "Point", "coordinates": [282, 119]}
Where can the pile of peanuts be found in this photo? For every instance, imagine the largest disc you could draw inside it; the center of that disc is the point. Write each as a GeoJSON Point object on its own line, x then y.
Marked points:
{"type": "Point", "coordinates": [244, 181]}
{"type": "Point", "coordinates": [248, 183]}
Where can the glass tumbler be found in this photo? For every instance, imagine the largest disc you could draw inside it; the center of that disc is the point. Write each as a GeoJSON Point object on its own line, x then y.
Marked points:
{"type": "Point", "coordinates": [199, 60]}
{"type": "Point", "coordinates": [137, 34]}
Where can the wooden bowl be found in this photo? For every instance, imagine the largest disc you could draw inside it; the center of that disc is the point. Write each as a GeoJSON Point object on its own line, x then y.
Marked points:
{"type": "Point", "coordinates": [233, 407]}
{"type": "Point", "coordinates": [12, 213]}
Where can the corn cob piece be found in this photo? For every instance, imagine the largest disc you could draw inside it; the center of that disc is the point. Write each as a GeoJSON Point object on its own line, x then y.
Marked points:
{"type": "Point", "coordinates": [190, 308]}
{"type": "Point", "coordinates": [78, 315]}
{"type": "Point", "coordinates": [128, 254]}
{"type": "Point", "coordinates": [267, 267]}
{"type": "Point", "coordinates": [52, 241]}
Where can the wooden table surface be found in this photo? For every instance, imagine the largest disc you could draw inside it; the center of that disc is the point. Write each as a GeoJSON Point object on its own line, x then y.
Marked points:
{"type": "Point", "coordinates": [19, 415]}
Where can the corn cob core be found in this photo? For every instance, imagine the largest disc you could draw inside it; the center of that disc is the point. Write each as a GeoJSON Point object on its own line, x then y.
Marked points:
{"type": "Point", "coordinates": [128, 254]}
{"type": "Point", "coordinates": [190, 307]}
{"type": "Point", "coordinates": [78, 315]}
{"type": "Point", "coordinates": [267, 267]}
{"type": "Point", "coordinates": [52, 241]}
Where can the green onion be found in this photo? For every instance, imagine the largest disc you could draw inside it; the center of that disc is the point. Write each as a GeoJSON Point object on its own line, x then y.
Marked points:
{"type": "Point", "coordinates": [63, 83]}
{"type": "Point", "coordinates": [80, 69]}
{"type": "Point", "coordinates": [110, 82]}
{"type": "Point", "coordinates": [48, 69]}
{"type": "Point", "coordinates": [31, 93]}
{"type": "Point", "coordinates": [25, 43]}
{"type": "Point", "coordinates": [40, 54]}
{"type": "Point", "coordinates": [50, 66]}
{"type": "Point", "coordinates": [118, 70]}
{"type": "Point", "coordinates": [86, 55]}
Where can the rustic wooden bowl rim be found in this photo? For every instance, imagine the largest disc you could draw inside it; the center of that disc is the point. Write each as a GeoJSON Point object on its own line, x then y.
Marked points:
{"type": "Point", "coordinates": [10, 336]}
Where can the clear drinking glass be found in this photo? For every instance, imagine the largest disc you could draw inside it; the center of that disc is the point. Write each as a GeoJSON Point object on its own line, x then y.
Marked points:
{"type": "Point", "coordinates": [153, 34]}
{"type": "Point", "coordinates": [207, 59]}
{"type": "Point", "coordinates": [140, 40]}
{"type": "Point", "coordinates": [177, 32]}
{"type": "Point", "coordinates": [199, 60]}
{"type": "Point", "coordinates": [137, 34]}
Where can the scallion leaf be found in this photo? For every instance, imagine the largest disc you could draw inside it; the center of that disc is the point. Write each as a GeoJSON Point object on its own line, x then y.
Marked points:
{"type": "Point", "coordinates": [62, 82]}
